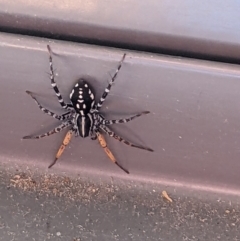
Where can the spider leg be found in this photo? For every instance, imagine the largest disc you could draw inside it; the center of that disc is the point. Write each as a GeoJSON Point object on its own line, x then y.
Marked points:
{"type": "Point", "coordinates": [107, 90]}
{"type": "Point", "coordinates": [65, 142]}
{"type": "Point", "coordinates": [62, 117]}
{"type": "Point", "coordinates": [55, 130]}
{"type": "Point", "coordinates": [54, 85]}
{"type": "Point", "coordinates": [110, 122]}
{"type": "Point", "coordinates": [114, 135]}
{"type": "Point", "coordinates": [93, 135]}
{"type": "Point", "coordinates": [103, 144]}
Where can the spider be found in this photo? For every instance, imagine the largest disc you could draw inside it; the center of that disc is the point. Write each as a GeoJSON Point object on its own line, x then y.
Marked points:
{"type": "Point", "coordinates": [82, 115]}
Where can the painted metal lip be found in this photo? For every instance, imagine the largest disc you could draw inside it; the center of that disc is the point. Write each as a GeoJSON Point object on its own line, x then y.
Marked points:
{"type": "Point", "coordinates": [193, 29]}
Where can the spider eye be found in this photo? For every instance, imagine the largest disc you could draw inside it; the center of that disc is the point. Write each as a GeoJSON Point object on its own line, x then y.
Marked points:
{"type": "Point", "coordinates": [82, 97]}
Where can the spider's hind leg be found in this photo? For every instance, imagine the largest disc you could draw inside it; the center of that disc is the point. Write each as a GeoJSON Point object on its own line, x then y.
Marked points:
{"type": "Point", "coordinates": [65, 142]}
{"type": "Point", "coordinates": [103, 144]}
{"type": "Point", "coordinates": [93, 136]}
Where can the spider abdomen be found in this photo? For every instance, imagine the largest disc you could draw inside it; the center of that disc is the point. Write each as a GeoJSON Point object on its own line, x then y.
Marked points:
{"type": "Point", "coordinates": [84, 124]}
{"type": "Point", "coordinates": [82, 97]}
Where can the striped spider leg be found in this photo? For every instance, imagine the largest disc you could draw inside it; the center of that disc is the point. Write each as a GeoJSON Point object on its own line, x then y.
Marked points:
{"type": "Point", "coordinates": [107, 90]}
{"type": "Point", "coordinates": [54, 84]}
{"type": "Point", "coordinates": [63, 117]}
{"type": "Point", "coordinates": [119, 138]}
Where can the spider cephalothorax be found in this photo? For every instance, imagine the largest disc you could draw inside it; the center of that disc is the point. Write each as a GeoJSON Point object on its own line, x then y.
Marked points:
{"type": "Point", "coordinates": [82, 115]}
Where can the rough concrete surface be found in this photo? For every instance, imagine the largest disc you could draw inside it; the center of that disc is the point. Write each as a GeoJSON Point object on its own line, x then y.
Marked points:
{"type": "Point", "coordinates": [52, 207]}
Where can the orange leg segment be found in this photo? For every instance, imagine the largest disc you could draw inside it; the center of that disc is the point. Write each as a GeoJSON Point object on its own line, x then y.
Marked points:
{"type": "Point", "coordinates": [65, 142]}
{"type": "Point", "coordinates": [103, 144]}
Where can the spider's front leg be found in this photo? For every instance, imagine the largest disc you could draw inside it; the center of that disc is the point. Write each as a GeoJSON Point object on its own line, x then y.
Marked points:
{"type": "Point", "coordinates": [107, 90]}
{"type": "Point", "coordinates": [54, 84]}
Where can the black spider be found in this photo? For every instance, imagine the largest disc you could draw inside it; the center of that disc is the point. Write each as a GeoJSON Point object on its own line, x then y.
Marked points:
{"type": "Point", "coordinates": [83, 116]}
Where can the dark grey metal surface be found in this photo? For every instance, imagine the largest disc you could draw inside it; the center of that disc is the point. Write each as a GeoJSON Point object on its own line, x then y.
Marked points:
{"type": "Point", "coordinates": [199, 29]}
{"type": "Point", "coordinates": [193, 126]}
